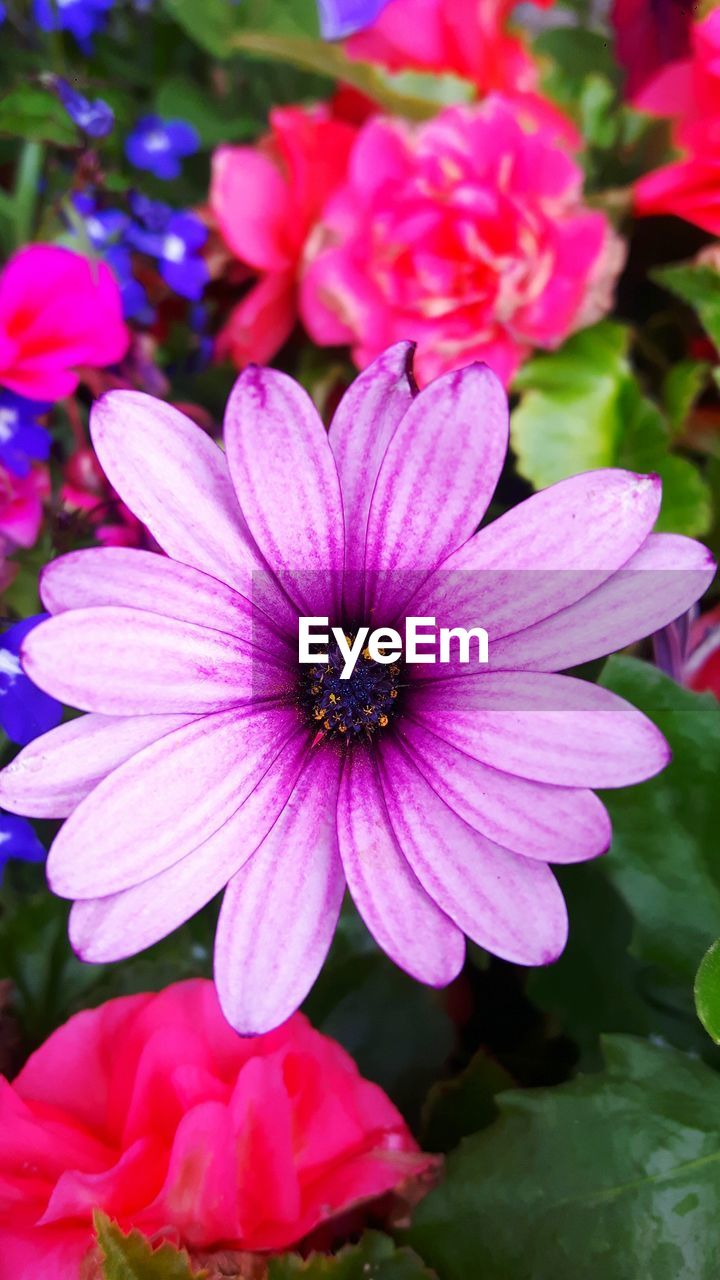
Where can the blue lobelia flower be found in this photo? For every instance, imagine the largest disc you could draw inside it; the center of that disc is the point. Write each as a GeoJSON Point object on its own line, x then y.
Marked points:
{"type": "Point", "coordinates": [82, 18]}
{"type": "Point", "coordinates": [22, 439]}
{"type": "Point", "coordinates": [159, 145]}
{"type": "Point", "coordinates": [25, 711]}
{"type": "Point", "coordinates": [93, 115]}
{"type": "Point", "coordinates": [174, 240]}
{"type": "Point", "coordinates": [18, 839]}
{"type": "Point", "coordinates": [106, 230]}
{"type": "Point", "coordinates": [340, 18]}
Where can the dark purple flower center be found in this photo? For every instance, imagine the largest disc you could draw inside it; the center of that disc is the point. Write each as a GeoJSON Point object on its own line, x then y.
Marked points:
{"type": "Point", "coordinates": [356, 708]}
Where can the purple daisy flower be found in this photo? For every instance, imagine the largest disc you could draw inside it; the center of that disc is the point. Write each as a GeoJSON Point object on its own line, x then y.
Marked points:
{"type": "Point", "coordinates": [18, 839]}
{"type": "Point", "coordinates": [82, 18]}
{"type": "Point", "coordinates": [340, 18]}
{"type": "Point", "coordinates": [22, 438]}
{"type": "Point", "coordinates": [25, 711]}
{"type": "Point", "coordinates": [211, 758]}
{"type": "Point", "coordinates": [159, 145]}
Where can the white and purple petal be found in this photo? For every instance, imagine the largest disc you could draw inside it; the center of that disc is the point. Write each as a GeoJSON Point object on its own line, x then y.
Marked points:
{"type": "Point", "coordinates": [280, 909]}
{"type": "Point", "coordinates": [166, 801]}
{"type": "Point", "coordinates": [50, 777]}
{"type": "Point", "coordinates": [547, 728]}
{"type": "Point", "coordinates": [436, 479]}
{"type": "Point", "coordinates": [176, 481]}
{"type": "Point", "coordinates": [124, 662]}
{"type": "Point", "coordinates": [121, 924]}
{"type": "Point", "coordinates": [546, 823]}
{"type": "Point", "coordinates": [510, 905]}
{"type": "Point", "coordinates": [400, 915]}
{"type": "Point", "coordinates": [287, 485]}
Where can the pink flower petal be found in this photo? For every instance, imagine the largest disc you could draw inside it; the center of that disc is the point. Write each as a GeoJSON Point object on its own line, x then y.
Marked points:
{"type": "Point", "coordinates": [50, 776]}
{"type": "Point", "coordinates": [403, 920]}
{"type": "Point", "coordinates": [142, 580]}
{"type": "Point", "coordinates": [364, 423]}
{"type": "Point", "coordinates": [127, 662]}
{"type": "Point", "coordinates": [175, 479]}
{"type": "Point", "coordinates": [544, 554]}
{"type": "Point", "coordinates": [165, 801]}
{"type": "Point", "coordinates": [547, 728]}
{"type": "Point", "coordinates": [510, 905]}
{"type": "Point", "coordinates": [280, 909]}
{"type": "Point", "coordinates": [248, 196]}
{"type": "Point", "coordinates": [663, 579]}
{"type": "Point", "coordinates": [121, 924]}
{"type": "Point", "coordinates": [287, 485]}
{"type": "Point", "coordinates": [436, 479]}
{"type": "Point", "coordinates": [554, 824]}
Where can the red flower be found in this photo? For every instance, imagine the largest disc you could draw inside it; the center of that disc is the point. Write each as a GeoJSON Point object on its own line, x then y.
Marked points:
{"type": "Point", "coordinates": [153, 1109]}
{"type": "Point", "coordinates": [688, 91]}
{"type": "Point", "coordinates": [265, 200]}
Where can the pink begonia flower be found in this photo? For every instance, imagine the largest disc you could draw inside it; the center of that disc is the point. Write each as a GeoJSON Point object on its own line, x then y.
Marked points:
{"type": "Point", "coordinates": [211, 757]}
{"type": "Point", "coordinates": [265, 200]}
{"type": "Point", "coordinates": [688, 91]}
{"type": "Point", "coordinates": [58, 312]}
{"type": "Point", "coordinates": [21, 506]}
{"type": "Point", "coordinates": [468, 234]}
{"type": "Point", "coordinates": [152, 1109]}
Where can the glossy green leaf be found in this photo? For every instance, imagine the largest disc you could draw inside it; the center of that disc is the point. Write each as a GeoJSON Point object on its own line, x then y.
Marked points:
{"type": "Point", "coordinates": [664, 855]}
{"type": "Point", "coordinates": [707, 991]}
{"type": "Point", "coordinates": [132, 1257]}
{"type": "Point", "coordinates": [567, 420]}
{"type": "Point", "coordinates": [581, 408]}
{"type": "Point", "coordinates": [374, 1258]}
{"type": "Point", "coordinates": [611, 1177]}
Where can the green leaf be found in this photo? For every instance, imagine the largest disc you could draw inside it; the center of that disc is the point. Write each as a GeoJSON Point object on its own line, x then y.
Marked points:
{"type": "Point", "coordinates": [687, 503]}
{"type": "Point", "coordinates": [664, 856]}
{"type": "Point", "coordinates": [611, 1177]}
{"type": "Point", "coordinates": [180, 97]}
{"type": "Point", "coordinates": [582, 408]}
{"type": "Point", "coordinates": [132, 1257]}
{"type": "Point", "coordinates": [707, 991]}
{"type": "Point", "coordinates": [568, 420]}
{"type": "Point", "coordinates": [49, 981]}
{"type": "Point", "coordinates": [213, 23]}
{"type": "Point", "coordinates": [374, 1258]}
{"type": "Point", "coordinates": [698, 284]}
{"type": "Point", "coordinates": [35, 115]}
{"type": "Point", "coordinates": [414, 95]}
{"type": "Point", "coordinates": [463, 1105]}
{"type": "Point", "coordinates": [682, 387]}
{"type": "Point", "coordinates": [593, 989]}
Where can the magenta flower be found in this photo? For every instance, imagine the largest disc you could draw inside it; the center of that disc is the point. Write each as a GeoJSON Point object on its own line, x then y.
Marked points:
{"type": "Point", "coordinates": [211, 758]}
